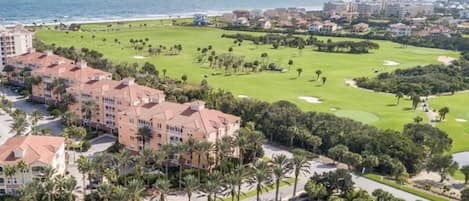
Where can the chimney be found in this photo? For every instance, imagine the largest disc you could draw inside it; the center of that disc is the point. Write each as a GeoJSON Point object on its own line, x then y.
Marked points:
{"type": "Point", "coordinates": [128, 81]}
{"type": "Point", "coordinates": [197, 105]}
{"type": "Point", "coordinates": [157, 99]}
{"type": "Point", "coordinates": [31, 50]}
{"type": "Point", "coordinates": [19, 153]}
{"type": "Point", "coordinates": [82, 64]}
{"type": "Point", "coordinates": [49, 53]}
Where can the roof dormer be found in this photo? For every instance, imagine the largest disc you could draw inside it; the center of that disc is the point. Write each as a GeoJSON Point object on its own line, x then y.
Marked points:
{"type": "Point", "coordinates": [18, 153]}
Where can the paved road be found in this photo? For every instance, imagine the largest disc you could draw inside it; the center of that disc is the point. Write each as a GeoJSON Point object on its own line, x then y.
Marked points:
{"type": "Point", "coordinates": [316, 167]}
{"type": "Point", "coordinates": [429, 112]}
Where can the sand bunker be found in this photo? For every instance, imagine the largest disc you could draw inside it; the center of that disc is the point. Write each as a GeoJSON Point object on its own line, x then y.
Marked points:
{"type": "Point", "coordinates": [446, 60]}
{"type": "Point", "coordinates": [461, 120]}
{"type": "Point", "coordinates": [351, 83]}
{"type": "Point", "coordinates": [333, 109]}
{"type": "Point", "coordinates": [310, 99]}
{"type": "Point", "coordinates": [243, 96]}
{"type": "Point", "coordinates": [139, 57]}
{"type": "Point", "coordinates": [390, 63]}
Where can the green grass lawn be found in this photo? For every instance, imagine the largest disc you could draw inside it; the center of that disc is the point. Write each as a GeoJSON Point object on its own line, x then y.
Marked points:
{"type": "Point", "coordinates": [369, 107]}
{"type": "Point", "coordinates": [406, 188]}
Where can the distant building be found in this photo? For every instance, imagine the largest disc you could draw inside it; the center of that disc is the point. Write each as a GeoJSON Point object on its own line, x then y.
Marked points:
{"type": "Point", "coordinates": [337, 6]}
{"type": "Point", "coordinates": [228, 17]}
{"type": "Point", "coordinates": [263, 24]}
{"type": "Point", "coordinates": [400, 29]}
{"type": "Point", "coordinates": [464, 14]}
{"type": "Point", "coordinates": [367, 9]}
{"type": "Point", "coordinates": [408, 9]}
{"type": "Point", "coordinates": [38, 152]}
{"type": "Point", "coordinates": [360, 28]}
{"type": "Point", "coordinates": [241, 13]}
{"type": "Point", "coordinates": [14, 42]}
{"type": "Point", "coordinates": [326, 27]}
{"type": "Point", "coordinates": [200, 20]}
{"type": "Point", "coordinates": [241, 21]}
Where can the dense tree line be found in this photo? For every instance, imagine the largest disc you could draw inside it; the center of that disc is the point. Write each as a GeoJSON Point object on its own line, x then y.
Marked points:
{"type": "Point", "coordinates": [276, 40]}
{"type": "Point", "coordinates": [346, 46]}
{"type": "Point", "coordinates": [284, 123]}
{"type": "Point", "coordinates": [420, 80]}
{"type": "Point", "coordinates": [456, 42]}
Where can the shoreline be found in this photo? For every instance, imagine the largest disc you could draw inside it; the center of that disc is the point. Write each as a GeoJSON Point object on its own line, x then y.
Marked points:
{"type": "Point", "coordinates": [92, 20]}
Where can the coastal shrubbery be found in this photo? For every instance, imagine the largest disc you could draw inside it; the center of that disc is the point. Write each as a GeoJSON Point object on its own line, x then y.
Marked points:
{"type": "Point", "coordinates": [420, 80]}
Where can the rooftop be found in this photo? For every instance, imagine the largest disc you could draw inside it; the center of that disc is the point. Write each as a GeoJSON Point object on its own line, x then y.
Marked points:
{"type": "Point", "coordinates": [30, 149]}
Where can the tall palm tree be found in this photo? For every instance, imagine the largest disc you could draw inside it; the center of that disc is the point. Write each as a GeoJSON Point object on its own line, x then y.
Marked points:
{"type": "Point", "coordinates": [70, 185]}
{"type": "Point", "coordinates": [145, 135]}
{"type": "Point", "coordinates": [121, 159]}
{"type": "Point", "coordinates": [74, 131]}
{"type": "Point", "coordinates": [167, 151]}
{"type": "Point", "coordinates": [213, 185]}
{"type": "Point", "coordinates": [88, 109]}
{"type": "Point", "coordinates": [10, 171]}
{"type": "Point", "coordinates": [191, 184]}
{"type": "Point", "coordinates": [120, 194]}
{"type": "Point", "coordinates": [181, 151]}
{"type": "Point", "coordinates": [242, 143]}
{"type": "Point", "coordinates": [49, 189]}
{"type": "Point", "coordinates": [203, 150]}
{"type": "Point", "coordinates": [22, 167]}
{"type": "Point", "coordinates": [31, 191]}
{"type": "Point", "coordinates": [19, 125]}
{"type": "Point", "coordinates": [241, 173]}
{"type": "Point", "coordinates": [301, 165]}
{"type": "Point", "coordinates": [280, 169]}
{"type": "Point", "coordinates": [261, 176]}
{"type": "Point", "coordinates": [106, 191]}
{"type": "Point", "coordinates": [164, 187]}
{"type": "Point", "coordinates": [191, 148]}
{"type": "Point", "coordinates": [70, 118]}
{"type": "Point", "coordinates": [224, 148]}
{"type": "Point", "coordinates": [35, 117]}
{"type": "Point", "coordinates": [84, 167]}
{"type": "Point", "coordinates": [136, 189]}
{"type": "Point", "coordinates": [255, 138]}
{"type": "Point", "coordinates": [318, 73]}
{"type": "Point", "coordinates": [232, 182]}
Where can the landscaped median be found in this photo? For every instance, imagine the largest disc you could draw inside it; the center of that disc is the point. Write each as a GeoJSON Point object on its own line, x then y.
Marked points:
{"type": "Point", "coordinates": [252, 193]}
{"type": "Point", "coordinates": [405, 188]}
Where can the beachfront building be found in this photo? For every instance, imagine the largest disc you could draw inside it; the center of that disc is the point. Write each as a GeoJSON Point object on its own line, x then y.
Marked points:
{"type": "Point", "coordinates": [37, 152]}
{"type": "Point", "coordinates": [360, 28]}
{"type": "Point", "coordinates": [53, 80]}
{"type": "Point", "coordinates": [368, 9]}
{"type": "Point", "coordinates": [13, 42]}
{"type": "Point", "coordinates": [98, 102]}
{"type": "Point", "coordinates": [408, 9]}
{"type": "Point", "coordinates": [200, 20]}
{"type": "Point", "coordinates": [400, 30]}
{"type": "Point", "coordinates": [173, 123]}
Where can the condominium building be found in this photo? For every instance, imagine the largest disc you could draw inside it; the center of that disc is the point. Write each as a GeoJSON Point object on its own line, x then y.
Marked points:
{"type": "Point", "coordinates": [109, 98]}
{"type": "Point", "coordinates": [173, 123]}
{"type": "Point", "coordinates": [400, 29]}
{"type": "Point", "coordinates": [408, 9]}
{"type": "Point", "coordinates": [37, 152]}
{"type": "Point", "coordinates": [122, 107]}
{"type": "Point", "coordinates": [14, 42]}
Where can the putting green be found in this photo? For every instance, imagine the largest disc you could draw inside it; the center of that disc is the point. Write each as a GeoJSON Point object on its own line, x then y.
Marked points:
{"type": "Point", "coordinates": [361, 116]}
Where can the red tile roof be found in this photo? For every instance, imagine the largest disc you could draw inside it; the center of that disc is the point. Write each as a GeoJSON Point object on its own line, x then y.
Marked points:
{"type": "Point", "coordinates": [35, 149]}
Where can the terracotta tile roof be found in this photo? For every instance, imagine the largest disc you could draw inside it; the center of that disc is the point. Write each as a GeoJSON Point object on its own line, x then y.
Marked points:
{"type": "Point", "coordinates": [123, 90]}
{"type": "Point", "coordinates": [186, 115]}
{"type": "Point", "coordinates": [74, 72]}
{"type": "Point", "coordinates": [34, 148]}
{"type": "Point", "coordinates": [38, 59]}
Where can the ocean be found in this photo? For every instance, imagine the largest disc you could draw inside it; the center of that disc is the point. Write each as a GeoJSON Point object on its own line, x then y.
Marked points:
{"type": "Point", "coordinates": [50, 11]}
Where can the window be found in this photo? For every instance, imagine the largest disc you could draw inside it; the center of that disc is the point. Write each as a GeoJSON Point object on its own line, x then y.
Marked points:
{"type": "Point", "coordinates": [2, 180]}
{"type": "Point", "coordinates": [2, 191]}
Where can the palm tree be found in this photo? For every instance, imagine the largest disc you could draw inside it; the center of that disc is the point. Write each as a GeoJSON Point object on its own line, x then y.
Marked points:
{"type": "Point", "coordinates": [191, 183]}
{"type": "Point", "coordinates": [299, 71]}
{"type": "Point", "coordinates": [242, 143]}
{"type": "Point", "coordinates": [164, 187]}
{"type": "Point", "coordinates": [19, 125]}
{"type": "Point", "coordinates": [255, 138]}
{"type": "Point", "coordinates": [399, 95]}
{"type": "Point", "coordinates": [318, 73]}
{"type": "Point", "coordinates": [191, 147]}
{"type": "Point", "coordinates": [122, 160]}
{"type": "Point", "coordinates": [232, 182]}
{"type": "Point", "coordinates": [301, 165]}
{"type": "Point", "coordinates": [224, 147]}
{"type": "Point", "coordinates": [35, 117]}
{"type": "Point", "coordinates": [22, 167]}
{"type": "Point", "coordinates": [106, 191]}
{"type": "Point", "coordinates": [181, 150]}
{"type": "Point", "coordinates": [10, 171]}
{"type": "Point", "coordinates": [74, 131]}
{"type": "Point", "coordinates": [167, 151]}
{"type": "Point", "coordinates": [84, 167]}
{"type": "Point", "coordinates": [136, 189]}
{"type": "Point", "coordinates": [290, 63]}
{"type": "Point", "coordinates": [70, 185]}
{"type": "Point", "coordinates": [324, 79]}
{"type": "Point", "coordinates": [145, 135]}
{"type": "Point", "coordinates": [88, 110]}
{"type": "Point", "coordinates": [70, 118]}
{"type": "Point", "coordinates": [203, 149]}
{"type": "Point", "coordinates": [261, 176]}
{"type": "Point", "coordinates": [240, 174]}
{"type": "Point", "coordinates": [280, 169]}
{"type": "Point", "coordinates": [213, 185]}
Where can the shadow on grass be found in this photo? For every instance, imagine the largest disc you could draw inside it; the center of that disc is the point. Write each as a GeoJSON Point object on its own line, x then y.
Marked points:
{"type": "Point", "coordinates": [391, 105]}
{"type": "Point", "coordinates": [407, 109]}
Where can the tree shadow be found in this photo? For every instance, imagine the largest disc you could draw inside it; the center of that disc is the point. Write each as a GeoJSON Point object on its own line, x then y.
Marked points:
{"type": "Point", "coordinates": [293, 78]}
{"type": "Point", "coordinates": [391, 105]}
{"type": "Point", "coordinates": [407, 108]}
